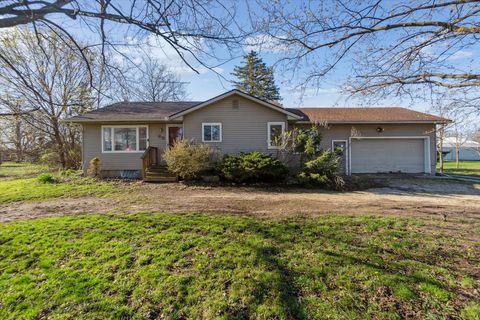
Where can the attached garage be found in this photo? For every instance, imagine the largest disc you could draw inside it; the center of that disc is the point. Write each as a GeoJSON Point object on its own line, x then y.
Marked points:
{"type": "Point", "coordinates": [389, 155]}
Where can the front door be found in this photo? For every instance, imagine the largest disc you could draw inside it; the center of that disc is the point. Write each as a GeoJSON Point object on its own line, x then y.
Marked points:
{"type": "Point", "coordinates": [340, 146]}
{"type": "Point", "coordinates": [174, 133]}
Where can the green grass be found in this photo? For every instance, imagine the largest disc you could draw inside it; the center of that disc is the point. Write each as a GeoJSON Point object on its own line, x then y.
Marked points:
{"type": "Point", "coordinates": [12, 169]}
{"type": "Point", "coordinates": [20, 182]}
{"type": "Point", "coordinates": [179, 266]}
{"type": "Point", "coordinates": [32, 189]}
{"type": "Point", "coordinates": [470, 168]}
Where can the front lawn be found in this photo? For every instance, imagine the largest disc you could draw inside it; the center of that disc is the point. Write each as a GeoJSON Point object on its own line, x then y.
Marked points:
{"type": "Point", "coordinates": [469, 168]}
{"type": "Point", "coordinates": [20, 183]}
{"type": "Point", "coordinates": [178, 266]}
{"type": "Point", "coordinates": [31, 189]}
{"type": "Point", "coordinates": [13, 169]}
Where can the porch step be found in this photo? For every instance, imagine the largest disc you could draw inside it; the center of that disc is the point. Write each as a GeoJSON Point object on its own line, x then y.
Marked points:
{"type": "Point", "coordinates": [163, 171]}
{"type": "Point", "coordinates": [159, 173]}
{"type": "Point", "coordinates": [160, 179]}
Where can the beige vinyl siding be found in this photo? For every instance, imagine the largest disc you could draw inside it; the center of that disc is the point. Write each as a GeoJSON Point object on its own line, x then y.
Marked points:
{"type": "Point", "coordinates": [92, 147]}
{"type": "Point", "coordinates": [344, 131]}
{"type": "Point", "coordinates": [243, 128]}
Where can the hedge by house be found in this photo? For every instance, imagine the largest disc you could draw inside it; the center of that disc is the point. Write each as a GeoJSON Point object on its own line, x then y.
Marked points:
{"type": "Point", "coordinates": [251, 167]}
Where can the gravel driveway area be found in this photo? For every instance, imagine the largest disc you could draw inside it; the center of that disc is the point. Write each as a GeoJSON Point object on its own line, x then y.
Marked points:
{"type": "Point", "coordinates": [428, 198]}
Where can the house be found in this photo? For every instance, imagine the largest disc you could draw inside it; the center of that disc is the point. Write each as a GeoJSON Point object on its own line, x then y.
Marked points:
{"type": "Point", "coordinates": [469, 150]}
{"type": "Point", "coordinates": [129, 137]}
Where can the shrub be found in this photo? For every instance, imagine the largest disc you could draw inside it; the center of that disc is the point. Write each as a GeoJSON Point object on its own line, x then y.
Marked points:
{"type": "Point", "coordinates": [50, 158]}
{"type": "Point", "coordinates": [46, 178]}
{"type": "Point", "coordinates": [189, 160]}
{"type": "Point", "coordinates": [322, 170]}
{"type": "Point", "coordinates": [299, 145]}
{"type": "Point", "coordinates": [94, 168]}
{"type": "Point", "coordinates": [70, 172]}
{"type": "Point", "coordinates": [252, 167]}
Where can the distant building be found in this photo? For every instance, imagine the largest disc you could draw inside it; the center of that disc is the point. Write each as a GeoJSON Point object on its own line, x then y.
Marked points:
{"type": "Point", "coordinates": [470, 150]}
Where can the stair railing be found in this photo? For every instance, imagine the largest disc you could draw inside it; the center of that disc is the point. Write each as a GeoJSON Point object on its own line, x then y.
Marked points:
{"type": "Point", "coordinates": [149, 158]}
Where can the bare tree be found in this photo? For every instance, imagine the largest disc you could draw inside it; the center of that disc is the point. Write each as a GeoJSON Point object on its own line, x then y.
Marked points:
{"type": "Point", "coordinates": [460, 134]}
{"type": "Point", "coordinates": [476, 135]}
{"type": "Point", "coordinates": [394, 48]}
{"type": "Point", "coordinates": [156, 82]}
{"type": "Point", "coordinates": [51, 82]}
{"type": "Point", "coordinates": [197, 30]}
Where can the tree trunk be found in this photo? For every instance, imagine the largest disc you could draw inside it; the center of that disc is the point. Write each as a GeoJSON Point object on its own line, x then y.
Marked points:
{"type": "Point", "coordinates": [440, 152]}
{"type": "Point", "coordinates": [60, 145]}
{"type": "Point", "coordinates": [18, 140]}
{"type": "Point", "coordinates": [457, 157]}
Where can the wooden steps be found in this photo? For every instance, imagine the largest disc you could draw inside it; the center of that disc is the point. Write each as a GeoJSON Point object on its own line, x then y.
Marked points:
{"type": "Point", "coordinates": [159, 173]}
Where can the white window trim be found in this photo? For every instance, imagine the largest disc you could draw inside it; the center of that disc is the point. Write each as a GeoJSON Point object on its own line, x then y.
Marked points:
{"type": "Point", "coordinates": [333, 144]}
{"type": "Point", "coordinates": [204, 124]}
{"type": "Point", "coordinates": [269, 138]}
{"type": "Point", "coordinates": [178, 125]}
{"type": "Point", "coordinates": [125, 126]}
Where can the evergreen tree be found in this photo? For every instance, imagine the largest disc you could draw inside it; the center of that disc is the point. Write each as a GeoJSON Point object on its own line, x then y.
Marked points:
{"type": "Point", "coordinates": [256, 79]}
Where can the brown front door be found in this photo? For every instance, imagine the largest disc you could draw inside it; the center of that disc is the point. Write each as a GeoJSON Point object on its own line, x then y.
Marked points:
{"type": "Point", "coordinates": [174, 134]}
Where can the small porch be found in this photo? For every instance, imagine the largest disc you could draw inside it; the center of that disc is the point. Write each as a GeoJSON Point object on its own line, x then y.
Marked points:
{"type": "Point", "coordinates": [154, 169]}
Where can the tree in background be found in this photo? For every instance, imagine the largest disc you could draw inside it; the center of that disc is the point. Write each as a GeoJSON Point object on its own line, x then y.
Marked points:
{"type": "Point", "coordinates": [20, 141]}
{"type": "Point", "coordinates": [460, 133]}
{"type": "Point", "coordinates": [404, 49]}
{"type": "Point", "coordinates": [51, 82]}
{"type": "Point", "coordinates": [256, 79]}
{"type": "Point", "coordinates": [476, 136]}
{"type": "Point", "coordinates": [199, 32]}
{"type": "Point", "coordinates": [155, 83]}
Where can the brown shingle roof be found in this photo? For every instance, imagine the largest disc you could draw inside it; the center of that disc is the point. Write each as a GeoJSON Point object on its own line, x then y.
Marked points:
{"type": "Point", "coordinates": [135, 111]}
{"type": "Point", "coordinates": [157, 111]}
{"type": "Point", "coordinates": [365, 115]}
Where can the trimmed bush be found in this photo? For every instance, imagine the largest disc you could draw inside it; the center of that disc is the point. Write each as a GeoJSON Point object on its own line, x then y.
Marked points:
{"type": "Point", "coordinates": [94, 168]}
{"type": "Point", "coordinates": [252, 167]}
{"type": "Point", "coordinates": [46, 178]}
{"type": "Point", "coordinates": [189, 160]}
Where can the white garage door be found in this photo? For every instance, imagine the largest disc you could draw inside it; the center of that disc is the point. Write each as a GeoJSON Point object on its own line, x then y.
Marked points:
{"type": "Point", "coordinates": [387, 155]}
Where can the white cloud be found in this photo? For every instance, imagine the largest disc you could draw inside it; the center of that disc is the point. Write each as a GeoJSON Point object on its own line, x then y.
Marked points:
{"type": "Point", "coordinates": [313, 92]}
{"type": "Point", "coordinates": [160, 50]}
{"type": "Point", "coordinates": [461, 54]}
{"type": "Point", "coordinates": [264, 43]}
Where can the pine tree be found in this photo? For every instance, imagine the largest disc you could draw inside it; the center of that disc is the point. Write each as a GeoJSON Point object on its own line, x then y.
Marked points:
{"type": "Point", "coordinates": [256, 79]}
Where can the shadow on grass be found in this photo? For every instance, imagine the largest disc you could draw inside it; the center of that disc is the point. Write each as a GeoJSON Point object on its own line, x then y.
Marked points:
{"type": "Point", "coordinates": [189, 265]}
{"type": "Point", "coordinates": [391, 268]}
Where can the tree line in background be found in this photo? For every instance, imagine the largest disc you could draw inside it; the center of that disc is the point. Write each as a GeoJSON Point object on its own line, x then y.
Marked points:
{"type": "Point", "coordinates": [49, 82]}
{"type": "Point", "coordinates": [406, 49]}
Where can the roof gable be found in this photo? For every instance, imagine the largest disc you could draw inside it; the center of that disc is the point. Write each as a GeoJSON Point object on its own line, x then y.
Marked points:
{"type": "Point", "coordinates": [290, 114]}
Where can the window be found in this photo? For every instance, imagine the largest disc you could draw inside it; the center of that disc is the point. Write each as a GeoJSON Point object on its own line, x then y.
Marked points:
{"type": "Point", "coordinates": [124, 138]}
{"type": "Point", "coordinates": [339, 146]}
{"type": "Point", "coordinates": [275, 131]}
{"type": "Point", "coordinates": [211, 132]}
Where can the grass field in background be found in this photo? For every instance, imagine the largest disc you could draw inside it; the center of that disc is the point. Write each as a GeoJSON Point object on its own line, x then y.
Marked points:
{"type": "Point", "coordinates": [471, 168]}
{"type": "Point", "coordinates": [18, 182]}
{"type": "Point", "coordinates": [21, 189]}
{"type": "Point", "coordinates": [178, 266]}
{"type": "Point", "coordinates": [13, 169]}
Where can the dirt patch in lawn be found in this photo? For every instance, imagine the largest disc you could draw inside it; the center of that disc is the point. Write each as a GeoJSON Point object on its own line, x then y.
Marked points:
{"type": "Point", "coordinates": [426, 198]}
